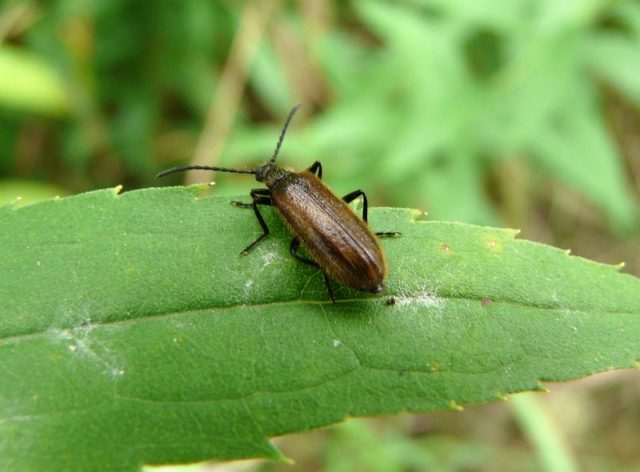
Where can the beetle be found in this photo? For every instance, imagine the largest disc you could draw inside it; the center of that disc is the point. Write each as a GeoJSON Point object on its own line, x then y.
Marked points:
{"type": "Point", "coordinates": [339, 242]}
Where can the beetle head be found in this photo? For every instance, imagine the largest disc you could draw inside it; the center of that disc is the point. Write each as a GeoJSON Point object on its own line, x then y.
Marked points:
{"type": "Point", "coordinates": [270, 173]}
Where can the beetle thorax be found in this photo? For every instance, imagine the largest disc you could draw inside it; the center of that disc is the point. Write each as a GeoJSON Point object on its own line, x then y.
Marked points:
{"type": "Point", "coordinates": [270, 173]}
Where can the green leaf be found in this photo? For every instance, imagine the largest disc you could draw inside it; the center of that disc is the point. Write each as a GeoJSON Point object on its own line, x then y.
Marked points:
{"type": "Point", "coordinates": [616, 59]}
{"type": "Point", "coordinates": [22, 192]}
{"type": "Point", "coordinates": [29, 83]}
{"type": "Point", "coordinates": [269, 79]}
{"type": "Point", "coordinates": [577, 149]}
{"type": "Point", "coordinates": [132, 332]}
{"type": "Point", "coordinates": [457, 175]}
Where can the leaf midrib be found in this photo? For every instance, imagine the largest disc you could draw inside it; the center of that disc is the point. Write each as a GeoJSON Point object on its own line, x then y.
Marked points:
{"type": "Point", "coordinates": [17, 338]}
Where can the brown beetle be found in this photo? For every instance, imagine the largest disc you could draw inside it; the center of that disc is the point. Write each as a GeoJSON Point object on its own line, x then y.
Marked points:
{"type": "Point", "coordinates": [341, 244]}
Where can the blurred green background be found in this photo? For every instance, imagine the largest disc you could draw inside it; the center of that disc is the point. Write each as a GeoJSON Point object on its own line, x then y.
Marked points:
{"type": "Point", "coordinates": [520, 113]}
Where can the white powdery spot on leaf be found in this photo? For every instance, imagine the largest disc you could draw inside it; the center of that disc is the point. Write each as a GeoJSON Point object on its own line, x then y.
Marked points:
{"type": "Point", "coordinates": [247, 287]}
{"type": "Point", "coordinates": [422, 297]}
{"type": "Point", "coordinates": [80, 343]}
{"type": "Point", "coordinates": [424, 300]}
{"type": "Point", "coordinates": [268, 258]}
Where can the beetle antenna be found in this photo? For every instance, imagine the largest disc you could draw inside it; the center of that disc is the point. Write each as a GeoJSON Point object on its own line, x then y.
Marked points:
{"type": "Point", "coordinates": [237, 171]}
{"type": "Point", "coordinates": [284, 131]}
{"type": "Point", "coordinates": [218, 169]}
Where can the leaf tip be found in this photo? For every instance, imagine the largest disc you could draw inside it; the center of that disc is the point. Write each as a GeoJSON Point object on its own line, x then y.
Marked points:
{"type": "Point", "coordinates": [454, 406]}
{"type": "Point", "coordinates": [540, 388]}
{"type": "Point", "coordinates": [202, 190]}
{"type": "Point", "coordinates": [418, 214]}
{"type": "Point", "coordinates": [286, 460]}
{"type": "Point", "coordinates": [274, 454]}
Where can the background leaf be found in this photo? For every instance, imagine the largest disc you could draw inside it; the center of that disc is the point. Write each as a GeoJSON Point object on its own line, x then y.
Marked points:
{"type": "Point", "coordinates": [131, 331]}
{"type": "Point", "coordinates": [29, 83]}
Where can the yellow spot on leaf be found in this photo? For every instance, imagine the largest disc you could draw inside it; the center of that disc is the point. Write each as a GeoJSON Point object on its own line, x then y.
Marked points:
{"type": "Point", "coordinates": [494, 245]}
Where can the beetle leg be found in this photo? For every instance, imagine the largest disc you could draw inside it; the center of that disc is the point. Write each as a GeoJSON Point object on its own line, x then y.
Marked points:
{"type": "Point", "coordinates": [327, 283]}
{"type": "Point", "coordinates": [355, 194]}
{"type": "Point", "coordinates": [293, 249]}
{"type": "Point", "coordinates": [316, 168]}
{"type": "Point", "coordinates": [260, 192]}
{"type": "Point", "coordinates": [259, 196]}
{"type": "Point", "coordinates": [352, 196]}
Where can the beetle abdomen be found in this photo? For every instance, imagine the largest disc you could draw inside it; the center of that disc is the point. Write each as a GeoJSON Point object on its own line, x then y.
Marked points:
{"type": "Point", "coordinates": [337, 239]}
